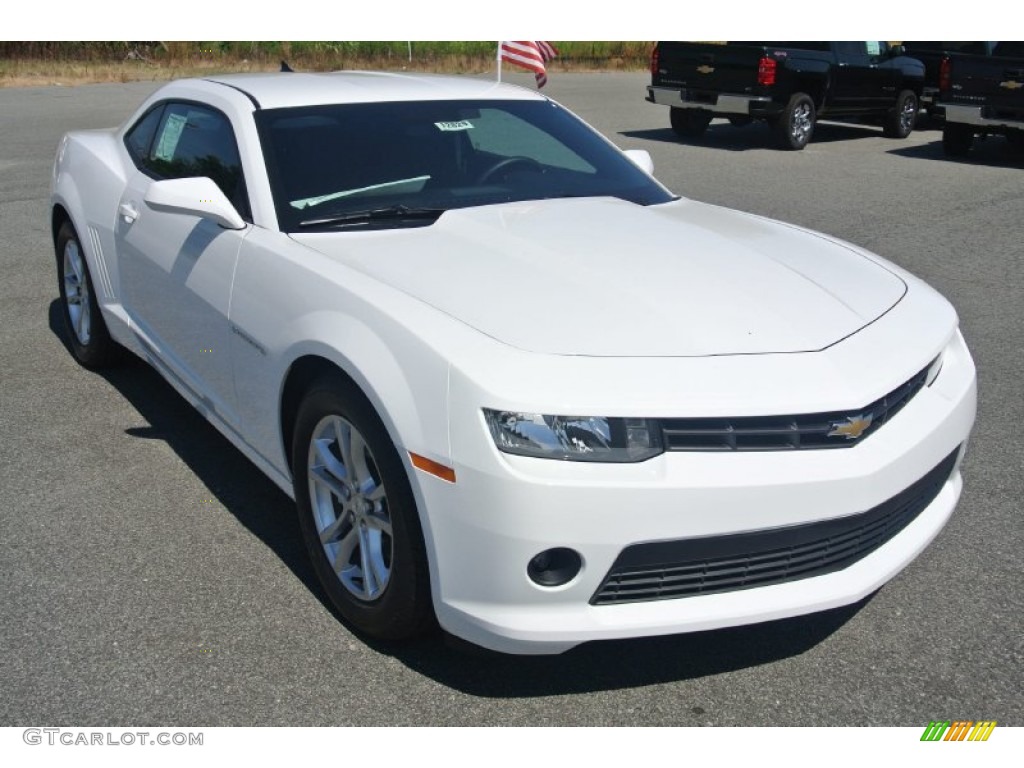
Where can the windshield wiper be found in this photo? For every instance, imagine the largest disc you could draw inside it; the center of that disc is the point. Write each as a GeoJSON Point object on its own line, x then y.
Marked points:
{"type": "Point", "coordinates": [392, 212]}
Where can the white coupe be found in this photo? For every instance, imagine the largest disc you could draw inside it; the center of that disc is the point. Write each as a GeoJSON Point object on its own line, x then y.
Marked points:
{"type": "Point", "coordinates": [513, 384]}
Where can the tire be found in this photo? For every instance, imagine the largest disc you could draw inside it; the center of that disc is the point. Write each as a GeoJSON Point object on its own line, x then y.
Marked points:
{"type": "Point", "coordinates": [957, 139]}
{"type": "Point", "coordinates": [689, 123]}
{"type": "Point", "coordinates": [373, 565]}
{"type": "Point", "coordinates": [87, 332]}
{"type": "Point", "coordinates": [794, 127]}
{"type": "Point", "coordinates": [900, 121]}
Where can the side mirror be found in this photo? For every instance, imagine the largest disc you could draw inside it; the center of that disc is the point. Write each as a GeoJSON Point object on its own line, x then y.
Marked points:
{"type": "Point", "coordinates": [641, 159]}
{"type": "Point", "coordinates": [197, 196]}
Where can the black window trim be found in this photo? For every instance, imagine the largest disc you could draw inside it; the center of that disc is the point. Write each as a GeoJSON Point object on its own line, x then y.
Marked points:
{"type": "Point", "coordinates": [146, 171]}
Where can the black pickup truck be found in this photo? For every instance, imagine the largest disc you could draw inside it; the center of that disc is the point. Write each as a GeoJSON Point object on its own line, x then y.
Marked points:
{"type": "Point", "coordinates": [983, 95]}
{"type": "Point", "coordinates": [788, 84]}
{"type": "Point", "coordinates": [932, 54]}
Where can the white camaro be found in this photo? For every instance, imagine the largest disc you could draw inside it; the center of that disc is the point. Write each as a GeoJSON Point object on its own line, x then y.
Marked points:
{"type": "Point", "coordinates": [509, 379]}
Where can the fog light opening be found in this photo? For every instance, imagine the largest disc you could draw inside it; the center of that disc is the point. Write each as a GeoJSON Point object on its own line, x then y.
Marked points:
{"type": "Point", "coordinates": [554, 567]}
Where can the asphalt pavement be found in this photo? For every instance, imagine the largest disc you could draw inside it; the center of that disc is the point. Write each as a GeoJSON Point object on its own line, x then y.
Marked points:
{"type": "Point", "coordinates": [151, 575]}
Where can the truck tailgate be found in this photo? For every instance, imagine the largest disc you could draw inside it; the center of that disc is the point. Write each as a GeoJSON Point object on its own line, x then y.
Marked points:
{"type": "Point", "coordinates": [708, 67]}
{"type": "Point", "coordinates": [997, 81]}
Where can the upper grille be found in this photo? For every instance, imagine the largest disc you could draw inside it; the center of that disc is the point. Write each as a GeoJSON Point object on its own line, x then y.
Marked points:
{"type": "Point", "coordinates": [777, 433]}
{"type": "Point", "coordinates": [673, 569]}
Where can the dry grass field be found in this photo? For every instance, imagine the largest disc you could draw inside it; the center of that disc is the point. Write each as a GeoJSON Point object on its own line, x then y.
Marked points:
{"type": "Point", "coordinates": [63, 63]}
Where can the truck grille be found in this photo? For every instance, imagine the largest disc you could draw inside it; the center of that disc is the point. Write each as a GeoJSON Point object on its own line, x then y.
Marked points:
{"type": "Point", "coordinates": [688, 567]}
{"type": "Point", "coordinates": [838, 429]}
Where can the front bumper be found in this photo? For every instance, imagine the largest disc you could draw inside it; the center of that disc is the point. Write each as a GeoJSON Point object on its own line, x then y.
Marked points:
{"type": "Point", "coordinates": [718, 104]}
{"type": "Point", "coordinates": [505, 509]}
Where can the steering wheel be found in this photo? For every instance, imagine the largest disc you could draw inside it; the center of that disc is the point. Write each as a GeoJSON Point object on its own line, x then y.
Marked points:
{"type": "Point", "coordinates": [508, 162]}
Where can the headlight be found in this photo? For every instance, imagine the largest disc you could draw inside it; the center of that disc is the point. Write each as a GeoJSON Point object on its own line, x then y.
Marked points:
{"type": "Point", "coordinates": [574, 438]}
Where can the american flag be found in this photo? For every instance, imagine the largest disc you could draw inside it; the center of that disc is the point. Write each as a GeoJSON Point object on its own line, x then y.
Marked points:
{"type": "Point", "coordinates": [529, 54]}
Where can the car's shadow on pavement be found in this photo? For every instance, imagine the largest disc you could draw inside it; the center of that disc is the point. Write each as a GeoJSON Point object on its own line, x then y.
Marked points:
{"type": "Point", "coordinates": [613, 665]}
{"type": "Point", "coordinates": [267, 512]}
{"type": "Point", "coordinates": [757, 135]}
{"type": "Point", "coordinates": [237, 483]}
{"type": "Point", "coordinates": [993, 151]}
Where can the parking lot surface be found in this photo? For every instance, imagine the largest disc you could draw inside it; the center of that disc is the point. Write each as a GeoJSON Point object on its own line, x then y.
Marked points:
{"type": "Point", "coordinates": [152, 575]}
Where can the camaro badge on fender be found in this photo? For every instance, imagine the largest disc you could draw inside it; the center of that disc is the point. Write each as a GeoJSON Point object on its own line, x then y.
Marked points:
{"type": "Point", "coordinates": [852, 428]}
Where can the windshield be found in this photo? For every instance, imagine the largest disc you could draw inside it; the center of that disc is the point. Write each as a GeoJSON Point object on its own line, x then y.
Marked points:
{"type": "Point", "coordinates": [328, 164]}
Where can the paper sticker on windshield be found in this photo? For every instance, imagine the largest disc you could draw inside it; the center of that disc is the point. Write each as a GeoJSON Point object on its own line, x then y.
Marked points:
{"type": "Point", "coordinates": [457, 125]}
{"type": "Point", "coordinates": [874, 48]}
{"type": "Point", "coordinates": [169, 138]}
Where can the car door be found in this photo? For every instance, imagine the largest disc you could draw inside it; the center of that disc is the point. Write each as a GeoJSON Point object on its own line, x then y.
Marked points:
{"type": "Point", "coordinates": [885, 75]}
{"type": "Point", "coordinates": [176, 269]}
{"type": "Point", "coordinates": [853, 77]}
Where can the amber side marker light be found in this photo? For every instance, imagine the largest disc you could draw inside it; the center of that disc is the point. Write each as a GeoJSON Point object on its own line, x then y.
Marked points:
{"type": "Point", "coordinates": [432, 467]}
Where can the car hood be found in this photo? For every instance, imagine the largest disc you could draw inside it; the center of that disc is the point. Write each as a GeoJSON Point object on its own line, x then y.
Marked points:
{"type": "Point", "coordinates": [604, 277]}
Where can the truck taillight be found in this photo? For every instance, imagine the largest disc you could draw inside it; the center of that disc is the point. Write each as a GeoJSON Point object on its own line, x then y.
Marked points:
{"type": "Point", "coordinates": [766, 71]}
{"type": "Point", "coordinates": [944, 68]}
{"type": "Point", "coordinates": [654, 62]}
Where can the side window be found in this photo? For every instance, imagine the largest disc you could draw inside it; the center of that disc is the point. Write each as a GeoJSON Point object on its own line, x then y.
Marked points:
{"type": "Point", "coordinates": [501, 133]}
{"type": "Point", "coordinates": [140, 137]}
{"type": "Point", "coordinates": [193, 140]}
{"type": "Point", "coordinates": [851, 49]}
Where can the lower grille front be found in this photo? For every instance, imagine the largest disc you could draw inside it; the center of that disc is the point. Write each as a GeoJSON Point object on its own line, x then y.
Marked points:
{"type": "Point", "coordinates": [689, 567]}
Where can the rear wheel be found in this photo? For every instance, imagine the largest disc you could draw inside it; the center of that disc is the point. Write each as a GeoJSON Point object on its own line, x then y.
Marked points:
{"type": "Point", "coordinates": [358, 515]}
{"type": "Point", "coordinates": [689, 123]}
{"type": "Point", "coordinates": [957, 139]}
{"type": "Point", "coordinates": [900, 121]}
{"type": "Point", "coordinates": [794, 127]}
{"type": "Point", "coordinates": [88, 337]}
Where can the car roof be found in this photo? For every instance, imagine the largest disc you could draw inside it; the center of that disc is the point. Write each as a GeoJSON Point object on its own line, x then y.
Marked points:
{"type": "Point", "coordinates": [293, 89]}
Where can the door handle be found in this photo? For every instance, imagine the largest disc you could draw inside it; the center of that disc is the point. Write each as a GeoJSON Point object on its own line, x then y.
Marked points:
{"type": "Point", "coordinates": [129, 211]}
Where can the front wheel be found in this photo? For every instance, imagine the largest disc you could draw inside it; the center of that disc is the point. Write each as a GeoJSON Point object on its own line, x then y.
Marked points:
{"type": "Point", "coordinates": [88, 337]}
{"type": "Point", "coordinates": [794, 126]}
{"type": "Point", "coordinates": [900, 121]}
{"type": "Point", "coordinates": [358, 515]}
{"type": "Point", "coordinates": [957, 139]}
{"type": "Point", "coordinates": [689, 123]}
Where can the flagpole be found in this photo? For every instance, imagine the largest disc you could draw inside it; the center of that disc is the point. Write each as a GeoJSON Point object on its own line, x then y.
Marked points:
{"type": "Point", "coordinates": [499, 61]}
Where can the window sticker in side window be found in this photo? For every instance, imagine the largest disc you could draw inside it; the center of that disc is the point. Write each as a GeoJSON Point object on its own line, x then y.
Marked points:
{"type": "Point", "coordinates": [874, 48]}
{"type": "Point", "coordinates": [169, 138]}
{"type": "Point", "coordinates": [455, 125]}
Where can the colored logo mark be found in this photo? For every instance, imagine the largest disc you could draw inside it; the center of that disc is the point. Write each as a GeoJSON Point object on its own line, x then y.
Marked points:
{"type": "Point", "coordinates": [958, 730]}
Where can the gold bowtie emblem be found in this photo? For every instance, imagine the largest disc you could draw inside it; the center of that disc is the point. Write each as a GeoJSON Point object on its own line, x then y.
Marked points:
{"type": "Point", "coordinates": [852, 428]}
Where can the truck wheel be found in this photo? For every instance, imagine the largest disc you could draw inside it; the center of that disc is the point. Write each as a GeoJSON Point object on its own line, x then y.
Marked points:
{"type": "Point", "coordinates": [900, 120]}
{"type": "Point", "coordinates": [689, 123]}
{"type": "Point", "coordinates": [957, 139]}
{"type": "Point", "coordinates": [795, 125]}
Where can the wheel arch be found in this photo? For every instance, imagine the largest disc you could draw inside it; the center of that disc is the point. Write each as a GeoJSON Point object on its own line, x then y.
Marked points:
{"type": "Point", "coordinates": [300, 375]}
{"type": "Point", "coordinates": [59, 216]}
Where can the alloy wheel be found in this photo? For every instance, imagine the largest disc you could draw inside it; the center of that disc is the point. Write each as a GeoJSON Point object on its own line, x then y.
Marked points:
{"type": "Point", "coordinates": [76, 292]}
{"type": "Point", "coordinates": [801, 123]}
{"type": "Point", "coordinates": [350, 508]}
